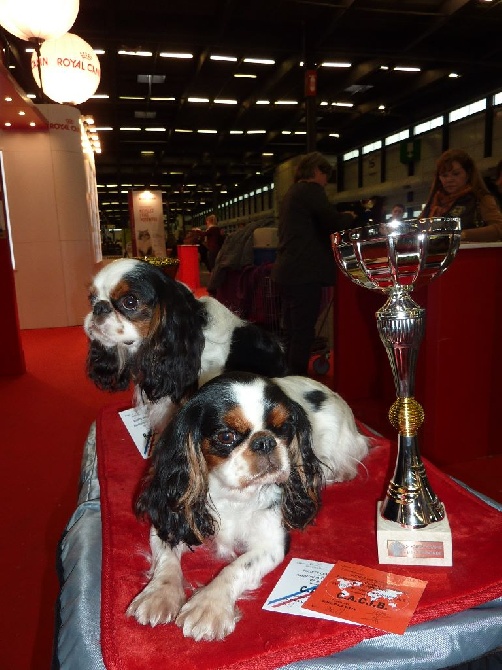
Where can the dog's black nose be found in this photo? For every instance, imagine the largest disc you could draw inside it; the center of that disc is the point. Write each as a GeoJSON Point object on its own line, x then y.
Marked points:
{"type": "Point", "coordinates": [263, 444]}
{"type": "Point", "coordinates": [101, 307]}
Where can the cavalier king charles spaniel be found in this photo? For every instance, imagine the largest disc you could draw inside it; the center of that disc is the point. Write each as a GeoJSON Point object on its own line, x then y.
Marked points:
{"type": "Point", "coordinates": [149, 329]}
{"type": "Point", "coordinates": [243, 461]}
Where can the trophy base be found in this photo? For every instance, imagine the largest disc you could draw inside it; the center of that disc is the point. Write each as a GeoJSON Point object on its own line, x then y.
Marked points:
{"type": "Point", "coordinates": [413, 546]}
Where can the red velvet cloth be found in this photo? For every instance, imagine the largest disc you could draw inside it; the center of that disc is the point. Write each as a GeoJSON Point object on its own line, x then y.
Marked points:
{"type": "Point", "coordinates": [344, 530]}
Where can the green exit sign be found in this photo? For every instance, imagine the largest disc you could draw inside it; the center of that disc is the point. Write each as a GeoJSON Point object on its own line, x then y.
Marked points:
{"type": "Point", "coordinates": [409, 151]}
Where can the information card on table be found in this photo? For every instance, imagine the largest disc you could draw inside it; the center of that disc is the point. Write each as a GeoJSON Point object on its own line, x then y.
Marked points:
{"type": "Point", "coordinates": [359, 594]}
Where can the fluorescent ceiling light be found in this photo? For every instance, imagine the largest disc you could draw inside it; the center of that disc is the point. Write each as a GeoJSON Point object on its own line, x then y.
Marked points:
{"type": "Point", "coordinates": [181, 130]}
{"type": "Point", "coordinates": [335, 64]}
{"type": "Point", "coordinates": [236, 132]}
{"type": "Point", "coordinates": [255, 132]}
{"type": "Point", "coordinates": [155, 130]}
{"type": "Point", "coordinates": [221, 101]}
{"type": "Point", "coordinates": [342, 104]}
{"type": "Point", "coordinates": [244, 76]}
{"type": "Point", "coordinates": [100, 96]}
{"type": "Point", "coordinates": [206, 131]}
{"type": "Point", "coordinates": [401, 68]}
{"type": "Point", "coordinates": [170, 99]}
{"type": "Point", "coordinates": [260, 61]}
{"type": "Point", "coordinates": [198, 99]}
{"type": "Point", "coordinates": [123, 52]}
{"type": "Point", "coordinates": [132, 97]}
{"type": "Point", "coordinates": [231, 59]}
{"type": "Point", "coordinates": [286, 102]}
{"type": "Point", "coordinates": [170, 54]}
{"type": "Point", "coordinates": [334, 134]}
{"type": "Point", "coordinates": [263, 102]}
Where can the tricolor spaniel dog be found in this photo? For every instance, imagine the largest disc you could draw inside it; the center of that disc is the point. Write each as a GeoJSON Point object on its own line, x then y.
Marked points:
{"type": "Point", "coordinates": [243, 461]}
{"type": "Point", "coordinates": [149, 329]}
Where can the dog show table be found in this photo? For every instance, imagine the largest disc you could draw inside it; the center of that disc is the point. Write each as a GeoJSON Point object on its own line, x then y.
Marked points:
{"type": "Point", "coordinates": [459, 364]}
{"type": "Point", "coordinates": [101, 559]}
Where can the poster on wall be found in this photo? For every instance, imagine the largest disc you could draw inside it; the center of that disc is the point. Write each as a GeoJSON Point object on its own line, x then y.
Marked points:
{"type": "Point", "coordinates": [147, 224]}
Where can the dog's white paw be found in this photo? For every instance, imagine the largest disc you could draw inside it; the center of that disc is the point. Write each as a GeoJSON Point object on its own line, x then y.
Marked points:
{"type": "Point", "coordinates": [156, 605]}
{"type": "Point", "coordinates": [207, 616]}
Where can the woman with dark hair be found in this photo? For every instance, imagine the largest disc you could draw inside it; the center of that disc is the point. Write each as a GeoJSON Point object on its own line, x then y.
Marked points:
{"type": "Point", "coordinates": [305, 261]}
{"type": "Point", "coordinates": [459, 190]}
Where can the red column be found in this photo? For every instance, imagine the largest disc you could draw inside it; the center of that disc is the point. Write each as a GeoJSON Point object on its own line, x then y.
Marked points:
{"type": "Point", "coordinates": [188, 272]}
{"type": "Point", "coordinates": [11, 348]}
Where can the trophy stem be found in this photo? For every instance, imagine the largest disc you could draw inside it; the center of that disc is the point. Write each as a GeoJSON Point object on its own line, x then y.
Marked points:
{"type": "Point", "coordinates": [410, 500]}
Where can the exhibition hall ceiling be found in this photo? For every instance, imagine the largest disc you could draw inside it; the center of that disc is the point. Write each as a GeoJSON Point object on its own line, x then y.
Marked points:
{"type": "Point", "coordinates": [215, 122]}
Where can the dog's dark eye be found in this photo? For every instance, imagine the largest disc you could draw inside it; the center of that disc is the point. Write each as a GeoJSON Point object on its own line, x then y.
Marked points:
{"type": "Point", "coordinates": [129, 302]}
{"type": "Point", "coordinates": [92, 299]}
{"type": "Point", "coordinates": [286, 430]}
{"type": "Point", "coordinates": [225, 437]}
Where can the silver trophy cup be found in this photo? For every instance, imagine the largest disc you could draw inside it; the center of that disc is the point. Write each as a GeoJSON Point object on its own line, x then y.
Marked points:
{"type": "Point", "coordinates": [395, 258]}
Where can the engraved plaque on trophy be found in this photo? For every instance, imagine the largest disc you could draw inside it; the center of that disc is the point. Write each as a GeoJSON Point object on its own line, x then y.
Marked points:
{"type": "Point", "coordinates": [396, 257]}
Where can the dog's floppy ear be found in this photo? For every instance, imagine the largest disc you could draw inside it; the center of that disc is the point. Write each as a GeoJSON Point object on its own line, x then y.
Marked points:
{"type": "Point", "coordinates": [174, 494]}
{"type": "Point", "coordinates": [168, 361]}
{"type": "Point", "coordinates": [301, 498]}
{"type": "Point", "coordinates": [106, 369]}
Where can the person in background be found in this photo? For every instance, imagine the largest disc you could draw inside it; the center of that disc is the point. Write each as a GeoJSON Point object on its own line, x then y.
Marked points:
{"type": "Point", "coordinates": [213, 239]}
{"type": "Point", "coordinates": [459, 190]}
{"type": "Point", "coordinates": [305, 261]}
{"type": "Point", "coordinates": [397, 212]}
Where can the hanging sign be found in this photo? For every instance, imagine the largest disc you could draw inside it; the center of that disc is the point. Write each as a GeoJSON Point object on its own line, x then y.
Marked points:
{"type": "Point", "coordinates": [310, 83]}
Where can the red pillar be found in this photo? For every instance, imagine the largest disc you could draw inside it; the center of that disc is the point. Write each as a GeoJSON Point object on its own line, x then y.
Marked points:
{"type": "Point", "coordinates": [11, 348]}
{"type": "Point", "coordinates": [188, 272]}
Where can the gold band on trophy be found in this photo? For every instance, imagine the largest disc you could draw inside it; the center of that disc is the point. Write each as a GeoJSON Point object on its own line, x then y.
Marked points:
{"type": "Point", "coordinates": [406, 416]}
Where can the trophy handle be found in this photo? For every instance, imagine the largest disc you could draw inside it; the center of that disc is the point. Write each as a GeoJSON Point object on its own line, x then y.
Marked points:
{"type": "Point", "coordinates": [410, 500]}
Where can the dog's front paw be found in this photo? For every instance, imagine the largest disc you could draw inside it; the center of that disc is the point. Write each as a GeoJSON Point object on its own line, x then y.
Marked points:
{"type": "Point", "coordinates": [207, 616]}
{"type": "Point", "coordinates": [156, 604]}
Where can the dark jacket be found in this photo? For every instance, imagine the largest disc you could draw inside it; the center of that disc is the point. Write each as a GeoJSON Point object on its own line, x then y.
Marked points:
{"type": "Point", "coordinates": [306, 221]}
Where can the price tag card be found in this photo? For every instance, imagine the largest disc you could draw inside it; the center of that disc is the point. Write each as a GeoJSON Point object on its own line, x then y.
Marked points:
{"type": "Point", "coordinates": [367, 596]}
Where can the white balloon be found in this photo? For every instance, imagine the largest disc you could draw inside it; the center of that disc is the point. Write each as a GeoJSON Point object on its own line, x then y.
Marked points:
{"type": "Point", "coordinates": [69, 67]}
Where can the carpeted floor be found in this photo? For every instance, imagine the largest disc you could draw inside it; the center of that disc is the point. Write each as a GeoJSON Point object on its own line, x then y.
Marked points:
{"type": "Point", "coordinates": [46, 414]}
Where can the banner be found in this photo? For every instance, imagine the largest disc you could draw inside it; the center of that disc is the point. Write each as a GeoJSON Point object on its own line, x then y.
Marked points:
{"type": "Point", "coordinates": [147, 224]}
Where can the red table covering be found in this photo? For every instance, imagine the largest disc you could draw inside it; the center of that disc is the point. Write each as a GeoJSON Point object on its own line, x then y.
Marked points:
{"type": "Point", "coordinates": [344, 530]}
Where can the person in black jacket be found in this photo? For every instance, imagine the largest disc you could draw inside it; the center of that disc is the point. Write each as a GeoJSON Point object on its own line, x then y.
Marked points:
{"type": "Point", "coordinates": [305, 261]}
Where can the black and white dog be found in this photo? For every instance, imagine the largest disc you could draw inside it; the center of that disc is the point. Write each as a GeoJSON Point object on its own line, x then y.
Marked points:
{"type": "Point", "coordinates": [242, 461]}
{"type": "Point", "coordinates": [149, 329]}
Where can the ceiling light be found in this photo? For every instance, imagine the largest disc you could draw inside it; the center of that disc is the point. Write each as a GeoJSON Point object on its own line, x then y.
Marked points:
{"type": "Point", "coordinates": [206, 131]}
{"type": "Point", "coordinates": [170, 99]}
{"type": "Point", "coordinates": [222, 101]}
{"type": "Point", "coordinates": [244, 76]}
{"type": "Point", "coordinates": [169, 54]}
{"type": "Point", "coordinates": [335, 64]}
{"type": "Point", "coordinates": [334, 134]}
{"type": "Point", "coordinates": [231, 59]}
{"type": "Point", "coordinates": [401, 68]}
{"type": "Point", "coordinates": [454, 75]}
{"type": "Point", "coordinates": [236, 132]}
{"type": "Point", "coordinates": [198, 99]}
{"type": "Point", "coordinates": [181, 130]}
{"type": "Point", "coordinates": [155, 130]}
{"type": "Point", "coordinates": [260, 61]}
{"type": "Point", "coordinates": [286, 102]}
{"type": "Point", "coordinates": [123, 52]}
{"type": "Point", "coordinates": [132, 97]}
{"type": "Point", "coordinates": [99, 96]}
{"type": "Point", "coordinates": [263, 102]}
{"type": "Point", "coordinates": [255, 132]}
{"type": "Point", "coordinates": [342, 104]}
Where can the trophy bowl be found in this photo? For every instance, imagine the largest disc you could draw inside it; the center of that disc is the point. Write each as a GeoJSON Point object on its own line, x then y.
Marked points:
{"type": "Point", "coordinates": [396, 257]}
{"type": "Point", "coordinates": [408, 253]}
